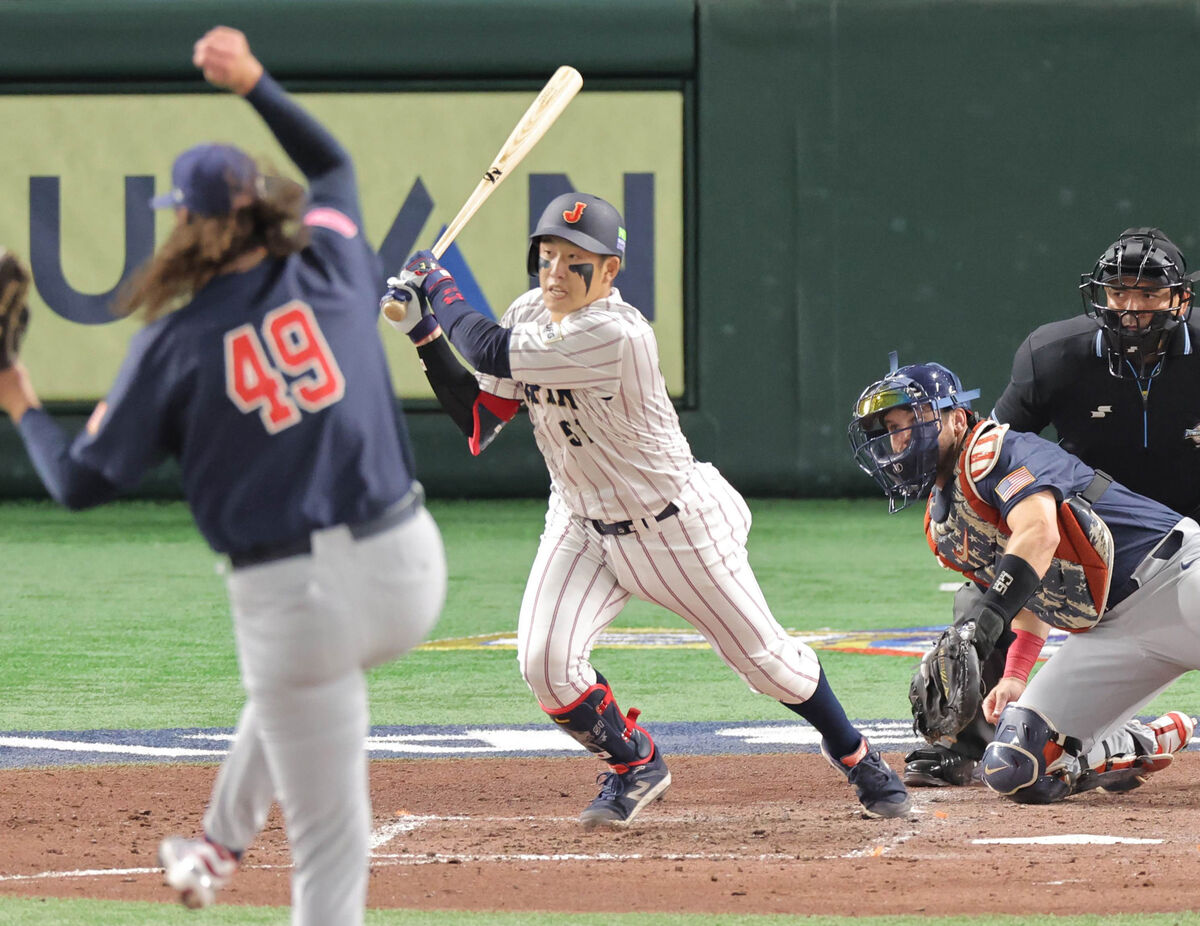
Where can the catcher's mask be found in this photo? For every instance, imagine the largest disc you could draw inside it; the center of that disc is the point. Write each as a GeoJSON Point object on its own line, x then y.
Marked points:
{"type": "Point", "coordinates": [903, 460]}
{"type": "Point", "coordinates": [588, 221]}
{"type": "Point", "coordinates": [1141, 259]}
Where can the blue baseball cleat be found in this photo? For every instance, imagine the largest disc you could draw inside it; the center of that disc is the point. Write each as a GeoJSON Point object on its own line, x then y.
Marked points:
{"type": "Point", "coordinates": [623, 795]}
{"type": "Point", "coordinates": [879, 789]}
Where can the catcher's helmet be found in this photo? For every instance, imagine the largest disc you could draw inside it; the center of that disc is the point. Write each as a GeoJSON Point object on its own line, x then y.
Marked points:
{"type": "Point", "coordinates": [1142, 258]}
{"type": "Point", "coordinates": [903, 461]}
{"type": "Point", "coordinates": [582, 219]}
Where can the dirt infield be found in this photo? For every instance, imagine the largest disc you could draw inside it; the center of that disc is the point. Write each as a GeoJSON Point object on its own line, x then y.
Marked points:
{"type": "Point", "coordinates": [757, 834]}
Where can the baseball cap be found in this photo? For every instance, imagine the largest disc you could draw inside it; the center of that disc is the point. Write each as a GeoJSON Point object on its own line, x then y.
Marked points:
{"type": "Point", "coordinates": [205, 177]}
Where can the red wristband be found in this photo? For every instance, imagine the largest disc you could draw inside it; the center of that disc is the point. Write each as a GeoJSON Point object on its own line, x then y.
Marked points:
{"type": "Point", "coordinates": [1022, 655]}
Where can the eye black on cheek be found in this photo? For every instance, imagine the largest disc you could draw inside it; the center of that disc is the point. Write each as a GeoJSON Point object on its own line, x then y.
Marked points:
{"type": "Point", "coordinates": [543, 263]}
{"type": "Point", "coordinates": [585, 271]}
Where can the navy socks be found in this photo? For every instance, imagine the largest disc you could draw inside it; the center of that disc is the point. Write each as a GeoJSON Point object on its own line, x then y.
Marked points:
{"type": "Point", "coordinates": [825, 712]}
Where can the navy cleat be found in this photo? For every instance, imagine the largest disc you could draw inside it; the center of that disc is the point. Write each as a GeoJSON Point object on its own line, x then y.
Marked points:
{"type": "Point", "coordinates": [880, 790]}
{"type": "Point", "coordinates": [623, 794]}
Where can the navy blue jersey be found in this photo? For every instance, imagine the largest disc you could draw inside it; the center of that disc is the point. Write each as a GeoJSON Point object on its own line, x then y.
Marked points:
{"type": "Point", "coordinates": [1027, 464]}
{"type": "Point", "coordinates": [270, 387]}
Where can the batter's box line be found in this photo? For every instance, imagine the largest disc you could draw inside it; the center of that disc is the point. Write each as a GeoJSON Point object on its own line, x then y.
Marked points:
{"type": "Point", "coordinates": [386, 832]}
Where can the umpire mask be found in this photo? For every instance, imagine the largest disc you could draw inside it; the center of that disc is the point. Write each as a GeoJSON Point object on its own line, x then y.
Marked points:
{"type": "Point", "coordinates": [1141, 261]}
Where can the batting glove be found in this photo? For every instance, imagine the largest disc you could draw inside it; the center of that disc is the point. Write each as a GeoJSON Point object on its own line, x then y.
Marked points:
{"type": "Point", "coordinates": [419, 321]}
{"type": "Point", "coordinates": [432, 279]}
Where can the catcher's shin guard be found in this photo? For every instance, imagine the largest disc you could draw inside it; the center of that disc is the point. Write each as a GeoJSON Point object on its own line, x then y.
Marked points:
{"type": "Point", "coordinates": [1026, 762]}
{"type": "Point", "coordinates": [595, 721]}
{"type": "Point", "coordinates": [1126, 759]}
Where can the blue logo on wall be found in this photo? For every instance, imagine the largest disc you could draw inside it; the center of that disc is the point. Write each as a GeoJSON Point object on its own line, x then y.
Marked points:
{"type": "Point", "coordinates": [45, 242]}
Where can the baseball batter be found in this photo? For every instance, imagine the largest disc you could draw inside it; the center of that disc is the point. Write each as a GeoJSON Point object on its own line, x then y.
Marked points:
{"type": "Point", "coordinates": [631, 511]}
{"type": "Point", "coordinates": [260, 370]}
{"type": "Point", "coordinates": [1056, 543]}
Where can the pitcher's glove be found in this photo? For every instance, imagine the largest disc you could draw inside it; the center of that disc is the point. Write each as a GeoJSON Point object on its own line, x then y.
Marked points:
{"type": "Point", "coordinates": [947, 689]}
{"type": "Point", "coordinates": [14, 309]}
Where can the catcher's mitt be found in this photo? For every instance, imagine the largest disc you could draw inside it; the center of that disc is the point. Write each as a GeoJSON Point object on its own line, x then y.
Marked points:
{"type": "Point", "coordinates": [947, 688]}
{"type": "Point", "coordinates": [14, 310]}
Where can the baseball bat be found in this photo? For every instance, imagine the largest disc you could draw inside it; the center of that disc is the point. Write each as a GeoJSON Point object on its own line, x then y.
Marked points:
{"type": "Point", "coordinates": [542, 113]}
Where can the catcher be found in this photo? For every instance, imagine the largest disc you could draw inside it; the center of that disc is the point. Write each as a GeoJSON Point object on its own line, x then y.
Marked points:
{"type": "Point", "coordinates": [1054, 543]}
{"type": "Point", "coordinates": [1120, 384]}
{"type": "Point", "coordinates": [14, 306]}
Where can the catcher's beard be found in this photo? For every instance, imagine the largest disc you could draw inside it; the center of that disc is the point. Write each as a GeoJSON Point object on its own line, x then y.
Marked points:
{"type": "Point", "coordinates": [949, 459]}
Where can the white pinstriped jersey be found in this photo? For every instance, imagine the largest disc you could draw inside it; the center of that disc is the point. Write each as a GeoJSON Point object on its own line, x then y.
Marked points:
{"type": "Point", "coordinates": [599, 406]}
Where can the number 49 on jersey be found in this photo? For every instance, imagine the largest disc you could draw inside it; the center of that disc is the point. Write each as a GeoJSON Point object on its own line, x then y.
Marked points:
{"type": "Point", "coordinates": [289, 344]}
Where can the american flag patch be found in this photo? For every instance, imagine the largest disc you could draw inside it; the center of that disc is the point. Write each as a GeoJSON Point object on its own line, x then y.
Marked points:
{"type": "Point", "coordinates": [326, 217]}
{"type": "Point", "coordinates": [1013, 483]}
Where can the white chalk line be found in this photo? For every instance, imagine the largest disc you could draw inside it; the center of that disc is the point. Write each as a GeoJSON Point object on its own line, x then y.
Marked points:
{"type": "Point", "coordinates": [163, 752]}
{"type": "Point", "coordinates": [385, 833]}
{"type": "Point", "coordinates": [80, 873]}
{"type": "Point", "coordinates": [105, 872]}
{"type": "Point", "coordinates": [389, 831]}
{"type": "Point", "coordinates": [1068, 839]}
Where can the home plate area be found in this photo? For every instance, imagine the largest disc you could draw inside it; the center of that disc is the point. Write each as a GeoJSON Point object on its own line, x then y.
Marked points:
{"type": "Point", "coordinates": [767, 832]}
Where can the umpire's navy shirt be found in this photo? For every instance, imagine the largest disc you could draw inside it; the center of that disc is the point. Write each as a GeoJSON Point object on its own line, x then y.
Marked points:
{"type": "Point", "coordinates": [199, 384]}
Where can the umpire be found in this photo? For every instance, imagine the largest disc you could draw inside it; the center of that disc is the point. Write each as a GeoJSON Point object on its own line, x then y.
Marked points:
{"type": "Point", "coordinates": [1120, 384]}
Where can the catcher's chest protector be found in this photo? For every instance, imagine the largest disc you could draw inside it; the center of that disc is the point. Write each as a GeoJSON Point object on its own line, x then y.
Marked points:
{"type": "Point", "coordinates": [972, 536]}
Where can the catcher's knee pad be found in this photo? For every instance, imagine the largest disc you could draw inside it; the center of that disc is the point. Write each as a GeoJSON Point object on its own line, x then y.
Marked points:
{"type": "Point", "coordinates": [595, 721]}
{"type": "Point", "coordinates": [1025, 761]}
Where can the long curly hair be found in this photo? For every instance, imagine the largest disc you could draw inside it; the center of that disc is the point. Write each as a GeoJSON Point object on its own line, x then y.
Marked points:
{"type": "Point", "coordinates": [203, 247]}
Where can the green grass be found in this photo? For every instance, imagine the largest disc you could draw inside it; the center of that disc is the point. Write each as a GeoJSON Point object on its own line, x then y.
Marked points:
{"type": "Point", "coordinates": [22, 912]}
{"type": "Point", "coordinates": [118, 618]}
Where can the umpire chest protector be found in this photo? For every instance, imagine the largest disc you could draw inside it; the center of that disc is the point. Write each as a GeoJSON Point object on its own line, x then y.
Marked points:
{"type": "Point", "coordinates": [969, 535]}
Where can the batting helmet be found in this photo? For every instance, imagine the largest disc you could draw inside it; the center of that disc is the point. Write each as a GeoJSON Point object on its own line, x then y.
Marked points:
{"type": "Point", "coordinates": [582, 219]}
{"type": "Point", "coordinates": [1142, 258]}
{"type": "Point", "coordinates": [903, 461]}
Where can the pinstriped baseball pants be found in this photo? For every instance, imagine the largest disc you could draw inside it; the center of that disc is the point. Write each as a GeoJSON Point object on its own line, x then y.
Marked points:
{"type": "Point", "coordinates": [693, 564]}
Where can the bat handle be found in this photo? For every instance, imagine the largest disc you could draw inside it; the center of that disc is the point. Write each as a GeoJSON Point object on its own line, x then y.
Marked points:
{"type": "Point", "coordinates": [394, 309]}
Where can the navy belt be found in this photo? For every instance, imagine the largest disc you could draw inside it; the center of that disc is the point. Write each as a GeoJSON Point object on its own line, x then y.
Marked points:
{"type": "Point", "coordinates": [398, 513]}
{"type": "Point", "coordinates": [626, 527]}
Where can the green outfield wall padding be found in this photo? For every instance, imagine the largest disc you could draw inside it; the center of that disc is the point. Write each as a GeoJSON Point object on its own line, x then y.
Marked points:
{"type": "Point", "coordinates": [926, 176]}
{"type": "Point", "coordinates": [120, 40]}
